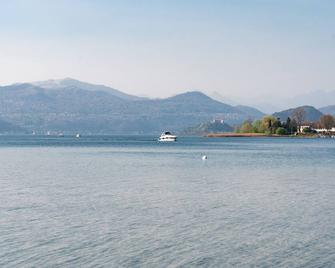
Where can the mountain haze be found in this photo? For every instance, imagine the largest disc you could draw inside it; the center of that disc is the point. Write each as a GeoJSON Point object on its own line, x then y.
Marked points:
{"type": "Point", "coordinates": [6, 127]}
{"type": "Point", "coordinates": [317, 98]}
{"type": "Point", "coordinates": [70, 82]}
{"type": "Point", "coordinates": [252, 112]}
{"type": "Point", "coordinates": [271, 103]}
{"type": "Point", "coordinates": [72, 106]}
{"type": "Point", "coordinates": [328, 109]}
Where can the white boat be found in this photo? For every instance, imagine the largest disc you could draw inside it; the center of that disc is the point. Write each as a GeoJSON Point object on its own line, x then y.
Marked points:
{"type": "Point", "coordinates": [167, 136]}
{"type": "Point", "coordinates": [78, 135]}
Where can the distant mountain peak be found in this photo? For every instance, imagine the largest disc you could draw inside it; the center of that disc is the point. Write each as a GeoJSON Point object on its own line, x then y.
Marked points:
{"type": "Point", "coordinates": [192, 94]}
{"type": "Point", "coordinates": [68, 82]}
{"type": "Point", "coordinates": [69, 79]}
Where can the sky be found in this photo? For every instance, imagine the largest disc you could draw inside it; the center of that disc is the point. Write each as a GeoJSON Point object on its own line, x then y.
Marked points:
{"type": "Point", "coordinates": [157, 48]}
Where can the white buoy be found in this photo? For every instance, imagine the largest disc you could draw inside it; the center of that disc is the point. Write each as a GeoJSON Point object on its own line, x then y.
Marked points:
{"type": "Point", "coordinates": [204, 157]}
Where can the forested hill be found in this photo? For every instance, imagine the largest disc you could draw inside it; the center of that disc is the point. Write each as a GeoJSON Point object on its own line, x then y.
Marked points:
{"type": "Point", "coordinates": [310, 113]}
{"type": "Point", "coordinates": [74, 106]}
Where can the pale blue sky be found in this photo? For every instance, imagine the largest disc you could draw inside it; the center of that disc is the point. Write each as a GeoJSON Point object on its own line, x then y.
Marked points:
{"type": "Point", "coordinates": [159, 48]}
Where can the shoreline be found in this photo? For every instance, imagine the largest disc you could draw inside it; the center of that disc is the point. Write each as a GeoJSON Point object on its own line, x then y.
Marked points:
{"type": "Point", "coordinates": [254, 135]}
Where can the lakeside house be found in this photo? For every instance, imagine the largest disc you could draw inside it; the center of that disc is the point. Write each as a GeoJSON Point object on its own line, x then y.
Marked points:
{"type": "Point", "coordinates": [316, 129]}
{"type": "Point", "coordinates": [323, 130]}
{"type": "Point", "coordinates": [306, 126]}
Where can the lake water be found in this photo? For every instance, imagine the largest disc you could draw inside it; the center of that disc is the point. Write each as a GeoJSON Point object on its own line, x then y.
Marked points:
{"type": "Point", "coordinates": [133, 202]}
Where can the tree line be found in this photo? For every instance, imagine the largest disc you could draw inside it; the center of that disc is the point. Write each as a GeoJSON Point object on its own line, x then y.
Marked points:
{"type": "Point", "coordinates": [271, 125]}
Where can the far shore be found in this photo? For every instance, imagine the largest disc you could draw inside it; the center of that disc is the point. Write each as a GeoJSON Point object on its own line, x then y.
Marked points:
{"type": "Point", "coordinates": [254, 135]}
{"type": "Point", "coordinates": [228, 135]}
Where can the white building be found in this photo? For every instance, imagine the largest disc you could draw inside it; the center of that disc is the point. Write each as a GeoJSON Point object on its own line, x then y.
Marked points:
{"type": "Point", "coordinates": [318, 130]}
{"type": "Point", "coordinates": [323, 130]}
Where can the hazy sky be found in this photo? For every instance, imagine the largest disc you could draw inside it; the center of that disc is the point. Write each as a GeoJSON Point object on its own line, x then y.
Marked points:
{"type": "Point", "coordinates": [159, 48]}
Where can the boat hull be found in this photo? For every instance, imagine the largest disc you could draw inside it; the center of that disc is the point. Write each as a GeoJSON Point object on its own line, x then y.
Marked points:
{"type": "Point", "coordinates": [167, 139]}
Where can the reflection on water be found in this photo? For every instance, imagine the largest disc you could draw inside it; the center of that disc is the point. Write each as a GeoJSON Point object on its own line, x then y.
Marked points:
{"type": "Point", "coordinates": [130, 201]}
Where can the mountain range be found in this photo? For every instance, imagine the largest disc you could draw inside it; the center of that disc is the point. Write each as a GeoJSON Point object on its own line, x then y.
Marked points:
{"type": "Point", "coordinates": [70, 105]}
{"type": "Point", "coordinates": [270, 103]}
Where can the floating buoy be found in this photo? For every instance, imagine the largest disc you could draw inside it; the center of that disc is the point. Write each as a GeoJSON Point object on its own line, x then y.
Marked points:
{"type": "Point", "coordinates": [204, 157]}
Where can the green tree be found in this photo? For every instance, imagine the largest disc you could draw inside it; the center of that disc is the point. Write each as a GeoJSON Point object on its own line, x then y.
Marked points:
{"type": "Point", "coordinates": [281, 131]}
{"type": "Point", "coordinates": [247, 127]}
{"type": "Point", "coordinates": [277, 123]}
{"type": "Point", "coordinates": [307, 130]}
{"type": "Point", "coordinates": [294, 126]}
{"type": "Point", "coordinates": [257, 127]}
{"type": "Point", "coordinates": [269, 123]}
{"type": "Point", "coordinates": [288, 125]}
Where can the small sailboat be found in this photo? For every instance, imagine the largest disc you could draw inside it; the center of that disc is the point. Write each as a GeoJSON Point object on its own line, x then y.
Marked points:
{"type": "Point", "coordinates": [78, 135]}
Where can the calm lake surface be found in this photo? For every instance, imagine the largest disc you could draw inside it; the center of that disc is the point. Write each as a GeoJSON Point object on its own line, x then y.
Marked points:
{"type": "Point", "coordinates": [133, 202]}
